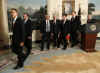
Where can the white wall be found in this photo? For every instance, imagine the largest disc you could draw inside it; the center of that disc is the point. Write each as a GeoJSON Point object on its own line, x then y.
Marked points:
{"type": "Point", "coordinates": [83, 4]}
{"type": "Point", "coordinates": [54, 7]}
{"type": "Point", "coordinates": [3, 23]}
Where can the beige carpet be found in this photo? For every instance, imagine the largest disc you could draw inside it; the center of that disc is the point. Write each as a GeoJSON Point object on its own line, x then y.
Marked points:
{"type": "Point", "coordinates": [73, 63]}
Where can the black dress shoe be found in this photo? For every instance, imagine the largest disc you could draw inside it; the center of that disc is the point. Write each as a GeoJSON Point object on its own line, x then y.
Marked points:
{"type": "Point", "coordinates": [58, 47]}
{"type": "Point", "coordinates": [48, 49]}
{"type": "Point", "coordinates": [41, 50]}
{"type": "Point", "coordinates": [17, 67]}
{"type": "Point", "coordinates": [54, 45]}
{"type": "Point", "coordinates": [63, 48]}
{"type": "Point", "coordinates": [72, 45]}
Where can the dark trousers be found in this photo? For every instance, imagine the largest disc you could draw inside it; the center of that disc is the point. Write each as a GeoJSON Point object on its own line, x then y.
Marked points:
{"type": "Point", "coordinates": [18, 50]}
{"type": "Point", "coordinates": [60, 41]}
{"type": "Point", "coordinates": [28, 45]}
{"type": "Point", "coordinates": [57, 39]}
{"type": "Point", "coordinates": [65, 42]}
{"type": "Point", "coordinates": [45, 37]}
{"type": "Point", "coordinates": [74, 38]}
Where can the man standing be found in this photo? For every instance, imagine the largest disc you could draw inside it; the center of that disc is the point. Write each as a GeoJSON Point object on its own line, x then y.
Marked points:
{"type": "Point", "coordinates": [18, 38]}
{"type": "Point", "coordinates": [46, 29]}
{"type": "Point", "coordinates": [28, 33]}
{"type": "Point", "coordinates": [56, 31]}
{"type": "Point", "coordinates": [75, 22]}
{"type": "Point", "coordinates": [65, 28]}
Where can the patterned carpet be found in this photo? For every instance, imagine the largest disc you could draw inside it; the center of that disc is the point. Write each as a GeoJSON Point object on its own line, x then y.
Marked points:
{"type": "Point", "coordinates": [72, 60]}
{"type": "Point", "coordinates": [74, 63]}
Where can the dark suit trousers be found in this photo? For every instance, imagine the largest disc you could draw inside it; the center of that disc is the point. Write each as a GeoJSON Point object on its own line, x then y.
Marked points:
{"type": "Point", "coordinates": [59, 40]}
{"type": "Point", "coordinates": [55, 37]}
{"type": "Point", "coordinates": [45, 37]}
{"type": "Point", "coordinates": [18, 50]}
{"type": "Point", "coordinates": [74, 36]}
{"type": "Point", "coordinates": [65, 42]}
{"type": "Point", "coordinates": [28, 45]}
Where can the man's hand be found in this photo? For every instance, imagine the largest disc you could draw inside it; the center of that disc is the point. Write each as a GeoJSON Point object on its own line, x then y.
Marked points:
{"type": "Point", "coordinates": [40, 34]}
{"type": "Point", "coordinates": [52, 34]}
{"type": "Point", "coordinates": [22, 44]}
{"type": "Point", "coordinates": [59, 34]}
{"type": "Point", "coordinates": [29, 37]}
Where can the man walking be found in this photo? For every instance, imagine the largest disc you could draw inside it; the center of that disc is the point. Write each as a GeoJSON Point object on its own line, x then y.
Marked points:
{"type": "Point", "coordinates": [18, 38]}
{"type": "Point", "coordinates": [28, 34]}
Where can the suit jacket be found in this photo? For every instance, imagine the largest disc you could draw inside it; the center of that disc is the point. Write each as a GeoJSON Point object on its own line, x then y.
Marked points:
{"type": "Point", "coordinates": [65, 27]}
{"type": "Point", "coordinates": [75, 23]}
{"type": "Point", "coordinates": [43, 27]}
{"type": "Point", "coordinates": [28, 28]}
{"type": "Point", "coordinates": [56, 27]}
{"type": "Point", "coordinates": [18, 31]}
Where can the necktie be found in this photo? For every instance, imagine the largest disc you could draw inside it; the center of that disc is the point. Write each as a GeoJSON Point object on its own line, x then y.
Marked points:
{"type": "Point", "coordinates": [48, 26]}
{"type": "Point", "coordinates": [73, 18]}
{"type": "Point", "coordinates": [24, 21]}
{"type": "Point", "coordinates": [64, 22]}
{"type": "Point", "coordinates": [14, 22]}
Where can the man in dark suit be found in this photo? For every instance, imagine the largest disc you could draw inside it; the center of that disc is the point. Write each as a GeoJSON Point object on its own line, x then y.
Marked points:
{"type": "Point", "coordinates": [65, 28]}
{"type": "Point", "coordinates": [56, 31]}
{"type": "Point", "coordinates": [18, 38]}
{"type": "Point", "coordinates": [28, 33]}
{"type": "Point", "coordinates": [75, 23]}
{"type": "Point", "coordinates": [46, 29]}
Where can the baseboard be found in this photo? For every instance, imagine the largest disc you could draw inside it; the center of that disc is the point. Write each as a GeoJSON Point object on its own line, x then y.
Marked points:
{"type": "Point", "coordinates": [98, 38]}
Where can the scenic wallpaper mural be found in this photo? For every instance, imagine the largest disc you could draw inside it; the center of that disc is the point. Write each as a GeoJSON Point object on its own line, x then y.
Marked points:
{"type": "Point", "coordinates": [39, 6]}
{"type": "Point", "coordinates": [31, 6]}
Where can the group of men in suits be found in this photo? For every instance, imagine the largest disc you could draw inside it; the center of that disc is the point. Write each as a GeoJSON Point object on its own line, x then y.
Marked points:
{"type": "Point", "coordinates": [59, 29]}
{"type": "Point", "coordinates": [22, 36]}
